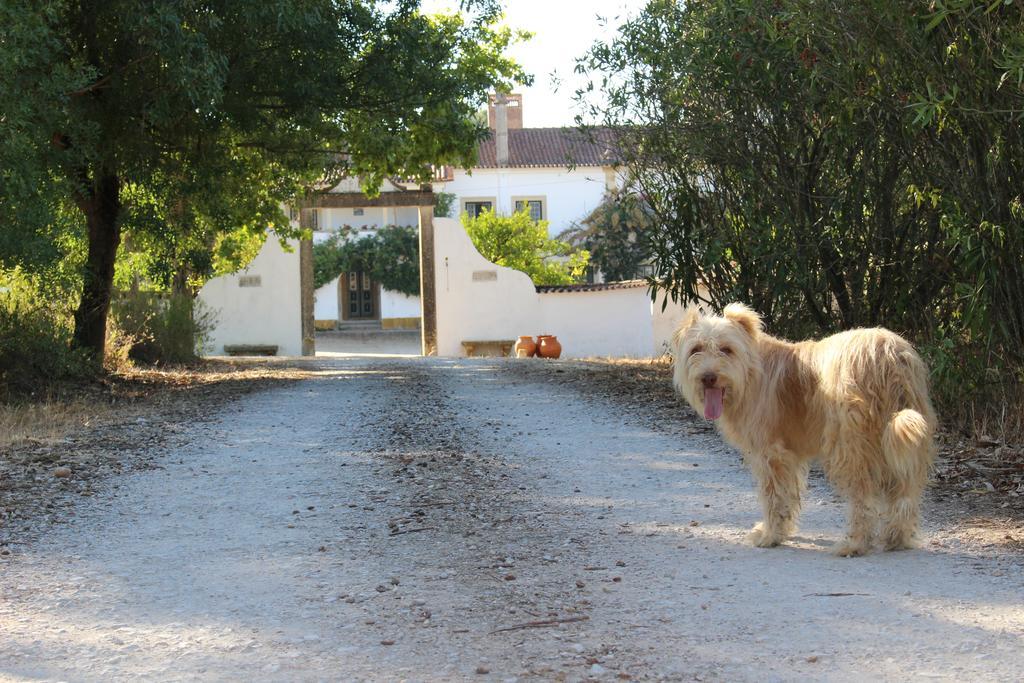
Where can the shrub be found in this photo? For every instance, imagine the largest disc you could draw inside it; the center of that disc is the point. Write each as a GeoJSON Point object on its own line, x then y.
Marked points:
{"type": "Point", "coordinates": [35, 341]}
{"type": "Point", "coordinates": [617, 235]}
{"type": "Point", "coordinates": [835, 165]}
{"type": "Point", "coordinates": [521, 243]}
{"type": "Point", "coordinates": [161, 328]}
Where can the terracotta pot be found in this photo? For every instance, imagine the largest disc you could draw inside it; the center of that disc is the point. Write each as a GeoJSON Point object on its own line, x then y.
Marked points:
{"type": "Point", "coordinates": [525, 347]}
{"type": "Point", "coordinates": [548, 346]}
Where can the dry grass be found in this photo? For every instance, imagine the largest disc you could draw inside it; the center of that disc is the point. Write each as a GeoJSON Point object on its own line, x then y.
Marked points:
{"type": "Point", "coordinates": [46, 421]}
{"type": "Point", "coordinates": [65, 408]}
{"type": "Point", "coordinates": [999, 417]}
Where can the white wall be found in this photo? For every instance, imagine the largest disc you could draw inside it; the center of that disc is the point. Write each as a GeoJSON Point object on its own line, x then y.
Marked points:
{"type": "Point", "coordinates": [331, 220]}
{"type": "Point", "coordinates": [480, 301]}
{"type": "Point", "coordinates": [325, 301]}
{"type": "Point", "coordinates": [269, 313]}
{"type": "Point", "coordinates": [569, 195]}
{"type": "Point", "coordinates": [665, 322]}
{"type": "Point", "coordinates": [615, 322]}
{"type": "Point", "coordinates": [398, 305]}
{"type": "Point", "coordinates": [500, 303]}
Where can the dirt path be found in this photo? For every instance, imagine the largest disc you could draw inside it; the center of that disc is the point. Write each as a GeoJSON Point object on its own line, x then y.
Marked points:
{"type": "Point", "coordinates": [421, 520]}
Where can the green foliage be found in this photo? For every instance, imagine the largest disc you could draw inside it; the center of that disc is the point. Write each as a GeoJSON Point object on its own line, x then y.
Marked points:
{"type": "Point", "coordinates": [159, 329]}
{"type": "Point", "coordinates": [518, 242]}
{"type": "Point", "coordinates": [834, 164]}
{"type": "Point", "coordinates": [184, 127]}
{"type": "Point", "coordinates": [396, 261]}
{"type": "Point", "coordinates": [35, 338]}
{"type": "Point", "coordinates": [391, 256]}
{"type": "Point", "coordinates": [444, 202]}
{"type": "Point", "coordinates": [33, 77]}
{"type": "Point", "coordinates": [617, 234]}
{"type": "Point", "coordinates": [179, 235]}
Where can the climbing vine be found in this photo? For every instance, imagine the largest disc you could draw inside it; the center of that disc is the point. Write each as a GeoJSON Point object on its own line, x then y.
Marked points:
{"type": "Point", "coordinates": [391, 256]}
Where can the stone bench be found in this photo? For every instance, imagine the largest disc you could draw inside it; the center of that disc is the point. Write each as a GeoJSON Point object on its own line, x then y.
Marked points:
{"type": "Point", "coordinates": [250, 349]}
{"type": "Point", "coordinates": [489, 348]}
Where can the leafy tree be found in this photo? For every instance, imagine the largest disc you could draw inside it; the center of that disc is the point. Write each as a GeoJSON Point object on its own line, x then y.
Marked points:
{"type": "Point", "coordinates": [746, 157]}
{"type": "Point", "coordinates": [443, 204]}
{"type": "Point", "coordinates": [834, 164]}
{"type": "Point", "coordinates": [391, 256]}
{"type": "Point", "coordinates": [617, 234]}
{"type": "Point", "coordinates": [180, 123]}
{"type": "Point", "coordinates": [32, 215]}
{"type": "Point", "coordinates": [521, 243]}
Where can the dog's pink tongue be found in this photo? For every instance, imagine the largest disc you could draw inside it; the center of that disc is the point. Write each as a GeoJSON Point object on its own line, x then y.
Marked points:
{"type": "Point", "coordinates": [712, 403]}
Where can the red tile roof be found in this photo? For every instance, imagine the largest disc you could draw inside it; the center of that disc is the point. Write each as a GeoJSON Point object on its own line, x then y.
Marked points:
{"type": "Point", "coordinates": [599, 287]}
{"type": "Point", "coordinates": [533, 147]}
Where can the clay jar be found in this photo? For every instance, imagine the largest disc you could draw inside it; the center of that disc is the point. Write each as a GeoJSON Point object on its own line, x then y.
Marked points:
{"type": "Point", "coordinates": [525, 347]}
{"type": "Point", "coordinates": [548, 346]}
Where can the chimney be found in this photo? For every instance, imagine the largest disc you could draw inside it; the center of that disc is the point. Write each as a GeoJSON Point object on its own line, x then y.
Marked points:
{"type": "Point", "coordinates": [501, 130]}
{"type": "Point", "coordinates": [504, 113]}
{"type": "Point", "coordinates": [513, 111]}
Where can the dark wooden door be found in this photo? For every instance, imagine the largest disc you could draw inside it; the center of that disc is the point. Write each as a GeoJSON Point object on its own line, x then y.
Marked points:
{"type": "Point", "coordinates": [361, 302]}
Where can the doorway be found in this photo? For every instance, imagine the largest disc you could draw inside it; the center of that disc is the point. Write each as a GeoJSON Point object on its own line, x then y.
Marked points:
{"type": "Point", "coordinates": [359, 297]}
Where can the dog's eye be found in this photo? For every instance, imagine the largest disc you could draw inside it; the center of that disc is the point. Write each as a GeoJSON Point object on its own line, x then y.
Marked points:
{"type": "Point", "coordinates": [727, 350]}
{"type": "Point", "coordinates": [696, 349]}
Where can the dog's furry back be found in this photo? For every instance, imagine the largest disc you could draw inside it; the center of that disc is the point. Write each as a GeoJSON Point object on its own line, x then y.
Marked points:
{"type": "Point", "coordinates": [875, 387]}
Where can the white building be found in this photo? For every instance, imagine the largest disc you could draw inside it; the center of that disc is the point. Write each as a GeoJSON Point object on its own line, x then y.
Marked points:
{"type": "Point", "coordinates": [559, 174]}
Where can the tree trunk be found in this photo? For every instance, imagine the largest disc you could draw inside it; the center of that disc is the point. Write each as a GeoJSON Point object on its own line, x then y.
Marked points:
{"type": "Point", "coordinates": [102, 209]}
{"type": "Point", "coordinates": [179, 283]}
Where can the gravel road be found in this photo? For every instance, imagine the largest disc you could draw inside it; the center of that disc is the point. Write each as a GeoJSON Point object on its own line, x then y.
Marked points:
{"type": "Point", "coordinates": [432, 520]}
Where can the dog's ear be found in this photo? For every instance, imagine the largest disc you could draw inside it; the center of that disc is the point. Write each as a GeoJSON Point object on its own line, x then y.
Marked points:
{"type": "Point", "coordinates": [690, 316]}
{"type": "Point", "coordinates": [744, 317]}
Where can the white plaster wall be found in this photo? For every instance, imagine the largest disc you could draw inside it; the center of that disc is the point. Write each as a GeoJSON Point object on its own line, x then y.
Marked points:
{"type": "Point", "coordinates": [398, 305]}
{"type": "Point", "coordinates": [267, 314]}
{"type": "Point", "coordinates": [325, 301]}
{"type": "Point", "coordinates": [665, 322]}
{"type": "Point", "coordinates": [614, 322]}
{"type": "Point", "coordinates": [501, 303]}
{"type": "Point", "coordinates": [468, 309]}
{"type": "Point", "coordinates": [570, 195]}
{"type": "Point", "coordinates": [331, 220]}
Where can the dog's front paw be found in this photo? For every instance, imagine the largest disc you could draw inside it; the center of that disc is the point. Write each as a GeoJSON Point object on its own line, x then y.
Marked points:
{"type": "Point", "coordinates": [763, 538]}
{"type": "Point", "coordinates": [851, 548]}
{"type": "Point", "coordinates": [901, 543]}
{"type": "Point", "coordinates": [899, 539]}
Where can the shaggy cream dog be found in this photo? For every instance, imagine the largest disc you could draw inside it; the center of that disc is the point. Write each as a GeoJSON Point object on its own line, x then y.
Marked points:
{"type": "Point", "coordinates": [857, 401]}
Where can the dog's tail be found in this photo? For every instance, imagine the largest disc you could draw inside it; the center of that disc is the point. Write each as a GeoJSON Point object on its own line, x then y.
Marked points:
{"type": "Point", "coordinates": [907, 445]}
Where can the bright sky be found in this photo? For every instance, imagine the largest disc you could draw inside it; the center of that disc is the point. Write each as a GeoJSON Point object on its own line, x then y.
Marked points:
{"type": "Point", "coordinates": [563, 30]}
